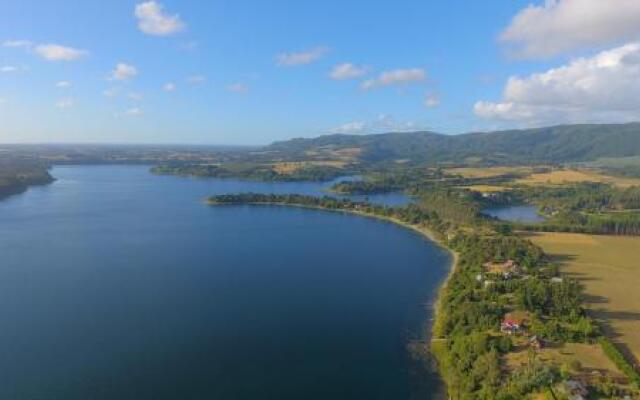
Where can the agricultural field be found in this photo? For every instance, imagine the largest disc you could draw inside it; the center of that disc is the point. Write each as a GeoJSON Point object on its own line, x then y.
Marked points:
{"type": "Point", "coordinates": [562, 176]}
{"type": "Point", "coordinates": [486, 188]}
{"type": "Point", "coordinates": [488, 172]}
{"type": "Point", "coordinates": [583, 359]}
{"type": "Point", "coordinates": [290, 167]}
{"type": "Point", "coordinates": [609, 269]}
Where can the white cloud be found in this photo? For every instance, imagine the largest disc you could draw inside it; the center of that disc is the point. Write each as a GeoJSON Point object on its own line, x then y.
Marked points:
{"type": "Point", "coordinates": [196, 79]}
{"type": "Point", "coordinates": [238, 88]}
{"type": "Point", "coordinates": [17, 43]}
{"type": "Point", "coordinates": [123, 72]}
{"type": "Point", "coordinates": [348, 71]}
{"type": "Point", "coordinates": [602, 88]}
{"type": "Point", "coordinates": [56, 52]}
{"type": "Point", "coordinates": [432, 101]}
{"type": "Point", "coordinates": [395, 77]}
{"type": "Point", "coordinates": [153, 20]}
{"type": "Point", "coordinates": [63, 84]}
{"type": "Point", "coordinates": [135, 96]}
{"type": "Point", "coordinates": [559, 26]}
{"type": "Point", "coordinates": [3, 101]}
{"type": "Point", "coordinates": [382, 124]}
{"type": "Point", "coordinates": [133, 112]}
{"type": "Point", "coordinates": [65, 103]}
{"type": "Point", "coordinates": [6, 69]}
{"type": "Point", "coordinates": [169, 87]}
{"type": "Point", "coordinates": [301, 58]}
{"type": "Point", "coordinates": [350, 127]}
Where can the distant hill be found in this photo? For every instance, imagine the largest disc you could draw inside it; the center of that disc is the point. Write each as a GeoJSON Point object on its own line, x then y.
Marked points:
{"type": "Point", "coordinates": [557, 144]}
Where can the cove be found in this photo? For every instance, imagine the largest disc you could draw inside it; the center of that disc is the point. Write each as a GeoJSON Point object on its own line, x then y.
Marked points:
{"type": "Point", "coordinates": [116, 283]}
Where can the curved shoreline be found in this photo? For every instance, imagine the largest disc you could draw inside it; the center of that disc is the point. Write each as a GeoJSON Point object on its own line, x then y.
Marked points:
{"type": "Point", "coordinates": [423, 231]}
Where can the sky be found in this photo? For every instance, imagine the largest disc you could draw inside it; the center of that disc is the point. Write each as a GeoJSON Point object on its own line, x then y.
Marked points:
{"type": "Point", "coordinates": [253, 72]}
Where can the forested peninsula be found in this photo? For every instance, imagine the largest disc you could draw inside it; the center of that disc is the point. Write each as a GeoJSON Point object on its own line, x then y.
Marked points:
{"type": "Point", "coordinates": [15, 178]}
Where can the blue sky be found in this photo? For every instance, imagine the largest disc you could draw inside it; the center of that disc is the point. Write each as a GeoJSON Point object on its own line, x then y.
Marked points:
{"type": "Point", "coordinates": [250, 72]}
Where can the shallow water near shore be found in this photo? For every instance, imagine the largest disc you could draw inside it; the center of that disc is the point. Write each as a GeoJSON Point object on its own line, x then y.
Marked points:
{"type": "Point", "coordinates": [116, 283]}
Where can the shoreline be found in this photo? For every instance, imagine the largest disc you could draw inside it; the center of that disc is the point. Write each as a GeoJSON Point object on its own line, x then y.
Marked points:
{"type": "Point", "coordinates": [423, 231]}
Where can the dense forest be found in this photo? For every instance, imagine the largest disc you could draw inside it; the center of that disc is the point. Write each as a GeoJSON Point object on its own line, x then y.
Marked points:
{"type": "Point", "coordinates": [17, 176]}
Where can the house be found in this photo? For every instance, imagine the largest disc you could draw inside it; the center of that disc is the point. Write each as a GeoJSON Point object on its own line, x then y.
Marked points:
{"type": "Point", "coordinates": [557, 279]}
{"type": "Point", "coordinates": [576, 390]}
{"type": "Point", "coordinates": [507, 269]}
{"type": "Point", "coordinates": [512, 324]}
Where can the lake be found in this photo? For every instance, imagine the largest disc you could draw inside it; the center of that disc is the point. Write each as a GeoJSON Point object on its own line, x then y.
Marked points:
{"type": "Point", "coordinates": [525, 213]}
{"type": "Point", "coordinates": [119, 284]}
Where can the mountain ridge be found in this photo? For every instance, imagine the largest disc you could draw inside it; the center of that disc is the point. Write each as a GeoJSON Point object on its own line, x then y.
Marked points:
{"type": "Point", "coordinates": [560, 143]}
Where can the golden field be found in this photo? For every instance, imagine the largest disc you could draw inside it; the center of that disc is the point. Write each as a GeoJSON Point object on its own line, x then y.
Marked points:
{"type": "Point", "coordinates": [609, 269]}
{"type": "Point", "coordinates": [289, 167]}
{"type": "Point", "coordinates": [529, 176]}
{"type": "Point", "coordinates": [486, 188]}
{"type": "Point", "coordinates": [561, 176]}
{"type": "Point", "coordinates": [488, 172]}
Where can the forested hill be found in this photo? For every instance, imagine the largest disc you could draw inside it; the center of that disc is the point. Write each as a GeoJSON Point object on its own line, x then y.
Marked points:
{"type": "Point", "coordinates": [565, 143]}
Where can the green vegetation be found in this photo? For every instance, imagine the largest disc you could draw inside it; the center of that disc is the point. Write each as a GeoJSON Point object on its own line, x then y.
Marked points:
{"type": "Point", "coordinates": [582, 208]}
{"type": "Point", "coordinates": [16, 177]}
{"type": "Point", "coordinates": [251, 171]}
{"type": "Point", "coordinates": [614, 354]}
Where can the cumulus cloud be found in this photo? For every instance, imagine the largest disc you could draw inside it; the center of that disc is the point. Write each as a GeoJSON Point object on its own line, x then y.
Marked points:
{"type": "Point", "coordinates": [383, 123]}
{"type": "Point", "coordinates": [17, 43]}
{"type": "Point", "coordinates": [56, 52]}
{"type": "Point", "coordinates": [238, 88]}
{"type": "Point", "coordinates": [65, 103]}
{"type": "Point", "coordinates": [601, 88]}
{"type": "Point", "coordinates": [348, 71]}
{"type": "Point", "coordinates": [559, 26]}
{"type": "Point", "coordinates": [153, 20]}
{"type": "Point", "coordinates": [432, 101]}
{"type": "Point", "coordinates": [301, 58]}
{"type": "Point", "coordinates": [169, 87]}
{"type": "Point", "coordinates": [395, 77]}
{"type": "Point", "coordinates": [123, 72]}
{"type": "Point", "coordinates": [63, 84]}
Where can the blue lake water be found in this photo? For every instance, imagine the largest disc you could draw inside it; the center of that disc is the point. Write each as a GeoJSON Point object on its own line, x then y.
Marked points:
{"type": "Point", "coordinates": [524, 213]}
{"type": "Point", "coordinates": [119, 284]}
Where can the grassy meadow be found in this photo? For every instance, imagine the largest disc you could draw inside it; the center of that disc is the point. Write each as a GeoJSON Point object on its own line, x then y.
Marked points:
{"type": "Point", "coordinates": [609, 269]}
